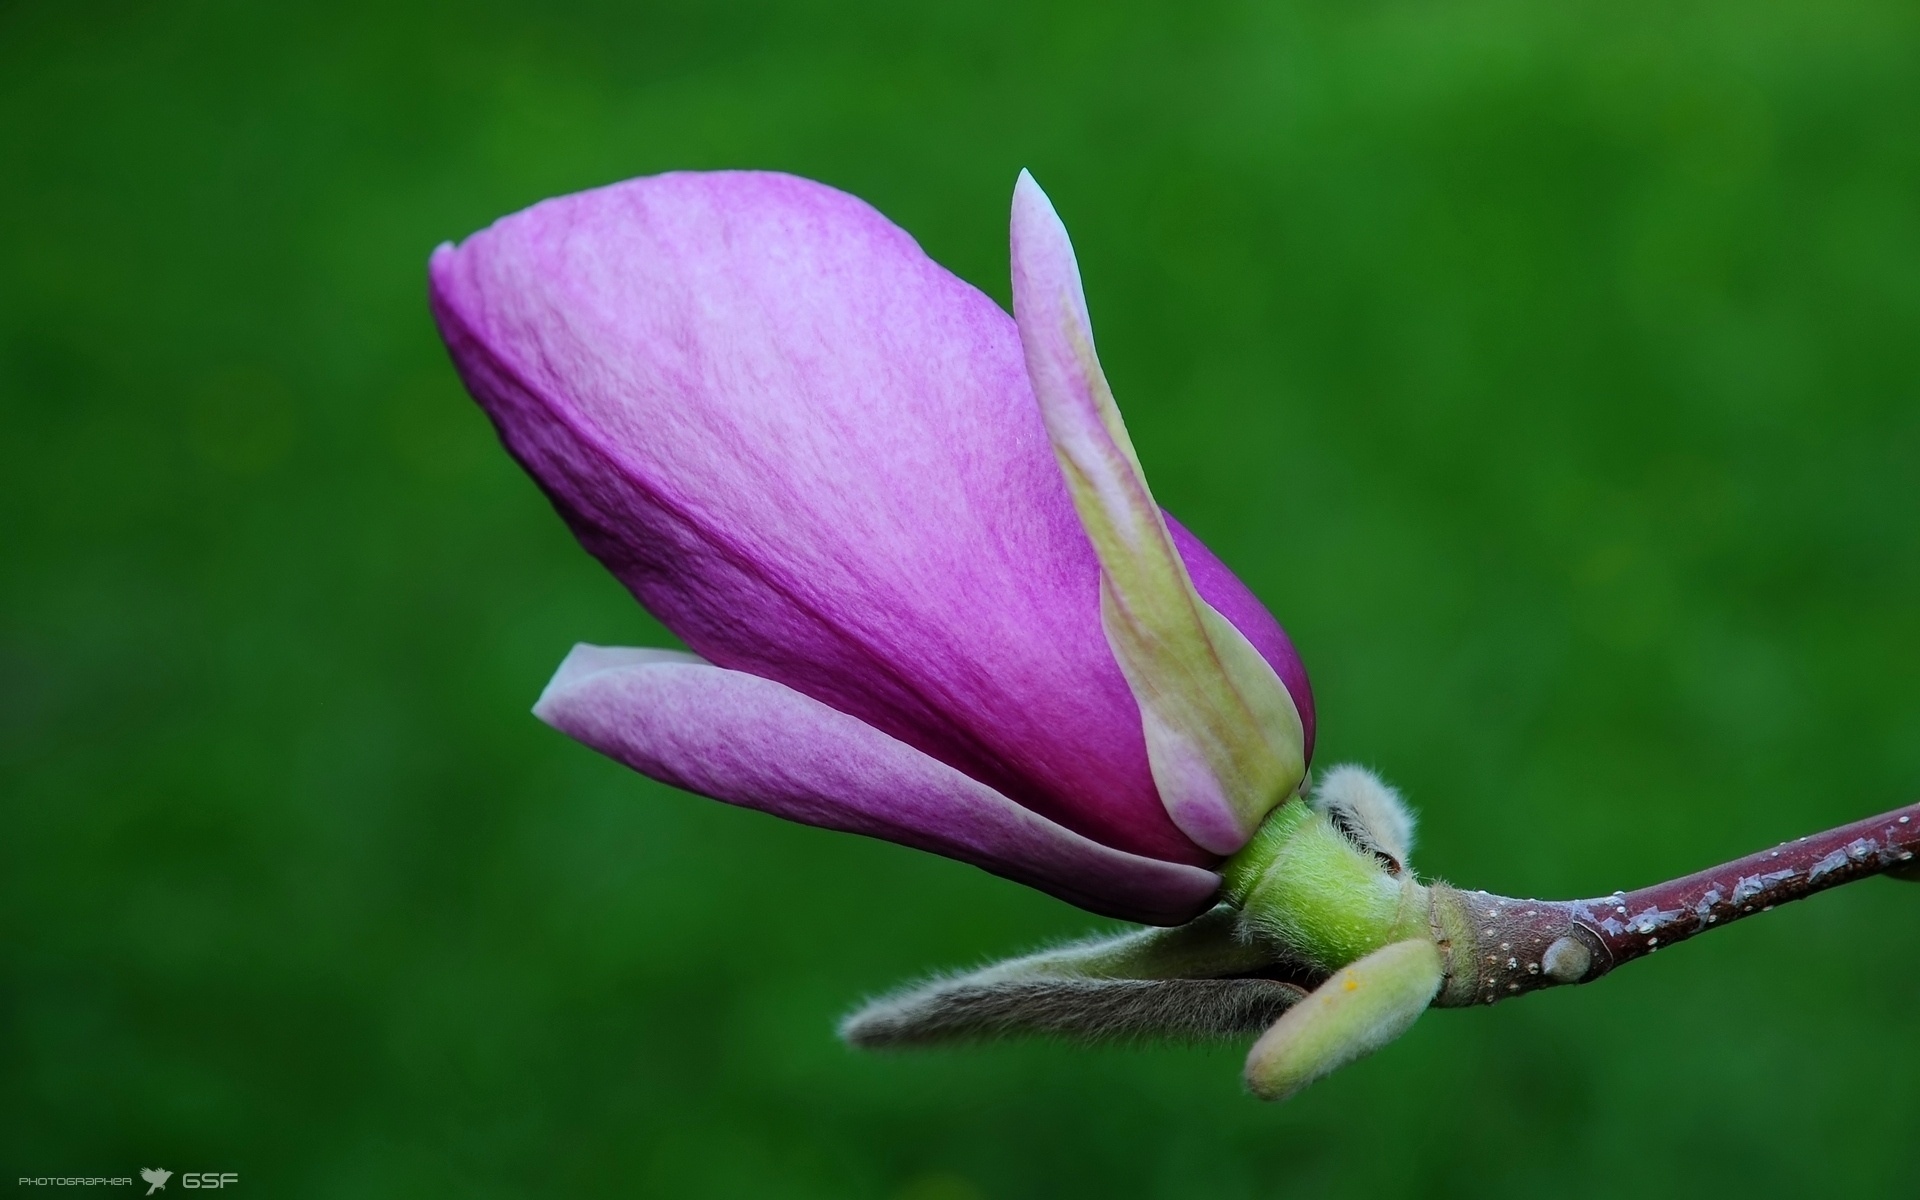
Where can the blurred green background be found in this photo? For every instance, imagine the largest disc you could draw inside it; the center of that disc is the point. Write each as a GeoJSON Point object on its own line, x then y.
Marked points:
{"type": "Point", "coordinates": [1550, 369]}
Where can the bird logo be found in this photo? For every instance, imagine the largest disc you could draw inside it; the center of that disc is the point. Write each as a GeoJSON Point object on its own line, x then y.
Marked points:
{"type": "Point", "coordinates": [157, 1177]}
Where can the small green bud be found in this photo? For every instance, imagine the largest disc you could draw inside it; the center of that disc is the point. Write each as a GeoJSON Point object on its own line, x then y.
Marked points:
{"type": "Point", "coordinates": [1361, 1008]}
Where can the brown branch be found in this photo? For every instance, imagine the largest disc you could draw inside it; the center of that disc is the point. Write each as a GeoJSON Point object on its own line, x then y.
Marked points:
{"type": "Point", "coordinates": [1499, 947]}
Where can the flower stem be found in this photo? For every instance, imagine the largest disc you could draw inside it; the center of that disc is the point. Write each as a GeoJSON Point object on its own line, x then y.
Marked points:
{"type": "Point", "coordinates": [1498, 947]}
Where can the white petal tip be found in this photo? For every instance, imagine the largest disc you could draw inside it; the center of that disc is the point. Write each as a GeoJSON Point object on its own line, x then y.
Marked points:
{"type": "Point", "coordinates": [585, 661]}
{"type": "Point", "coordinates": [1033, 211]}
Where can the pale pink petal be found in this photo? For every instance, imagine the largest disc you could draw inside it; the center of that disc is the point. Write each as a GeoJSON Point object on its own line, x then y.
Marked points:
{"type": "Point", "coordinates": [753, 742]}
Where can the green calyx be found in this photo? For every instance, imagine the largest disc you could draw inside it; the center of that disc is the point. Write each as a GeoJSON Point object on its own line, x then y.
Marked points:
{"type": "Point", "coordinates": [1307, 886]}
{"type": "Point", "coordinates": [1326, 883]}
{"type": "Point", "coordinates": [1324, 944]}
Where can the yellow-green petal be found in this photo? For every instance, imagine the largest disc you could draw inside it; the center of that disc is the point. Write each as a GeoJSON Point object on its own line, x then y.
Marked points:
{"type": "Point", "coordinates": [1224, 738]}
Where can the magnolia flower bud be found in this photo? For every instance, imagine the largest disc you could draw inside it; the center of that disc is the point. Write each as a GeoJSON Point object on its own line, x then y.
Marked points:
{"type": "Point", "coordinates": [931, 596]}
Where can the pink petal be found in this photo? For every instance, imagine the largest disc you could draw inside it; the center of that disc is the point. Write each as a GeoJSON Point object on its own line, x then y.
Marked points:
{"type": "Point", "coordinates": [756, 743]}
{"type": "Point", "coordinates": [814, 455]}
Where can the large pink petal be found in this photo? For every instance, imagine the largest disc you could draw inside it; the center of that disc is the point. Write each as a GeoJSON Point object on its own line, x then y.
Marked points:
{"type": "Point", "coordinates": [814, 455]}
{"type": "Point", "coordinates": [757, 743]}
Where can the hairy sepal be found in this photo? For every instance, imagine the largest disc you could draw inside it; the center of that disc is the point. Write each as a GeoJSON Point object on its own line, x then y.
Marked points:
{"type": "Point", "coordinates": [1371, 813]}
{"type": "Point", "coordinates": [1181, 984]}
